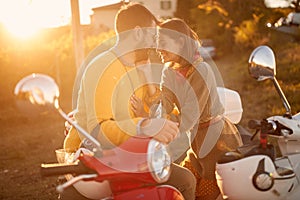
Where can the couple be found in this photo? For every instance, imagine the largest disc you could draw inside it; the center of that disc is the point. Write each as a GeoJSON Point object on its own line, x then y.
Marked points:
{"type": "Point", "coordinates": [116, 81]}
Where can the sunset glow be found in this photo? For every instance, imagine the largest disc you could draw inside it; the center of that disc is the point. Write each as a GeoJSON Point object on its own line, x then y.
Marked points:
{"type": "Point", "coordinates": [23, 18]}
{"type": "Point", "coordinates": [21, 24]}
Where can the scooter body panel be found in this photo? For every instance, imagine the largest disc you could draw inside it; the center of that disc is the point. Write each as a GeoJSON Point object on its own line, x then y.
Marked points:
{"type": "Point", "coordinates": [163, 192]}
{"type": "Point", "coordinates": [236, 179]}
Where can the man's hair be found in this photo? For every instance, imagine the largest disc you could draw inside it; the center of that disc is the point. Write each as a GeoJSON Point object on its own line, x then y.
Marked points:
{"type": "Point", "coordinates": [131, 15]}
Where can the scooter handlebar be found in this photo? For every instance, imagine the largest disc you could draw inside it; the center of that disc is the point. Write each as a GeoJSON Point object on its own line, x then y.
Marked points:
{"type": "Point", "coordinates": [254, 124]}
{"type": "Point", "coordinates": [266, 125]}
{"type": "Point", "coordinates": [57, 169]}
{"type": "Point", "coordinates": [271, 127]}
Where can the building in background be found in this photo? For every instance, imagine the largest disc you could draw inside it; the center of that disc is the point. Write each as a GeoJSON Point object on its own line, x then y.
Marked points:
{"type": "Point", "coordinates": [103, 17]}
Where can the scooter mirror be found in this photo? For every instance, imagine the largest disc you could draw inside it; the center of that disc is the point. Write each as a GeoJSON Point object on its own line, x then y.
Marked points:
{"type": "Point", "coordinates": [261, 64]}
{"type": "Point", "coordinates": [41, 90]}
{"type": "Point", "coordinates": [36, 93]}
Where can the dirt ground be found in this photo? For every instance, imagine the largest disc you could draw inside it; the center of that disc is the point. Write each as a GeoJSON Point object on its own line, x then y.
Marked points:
{"type": "Point", "coordinates": [26, 143]}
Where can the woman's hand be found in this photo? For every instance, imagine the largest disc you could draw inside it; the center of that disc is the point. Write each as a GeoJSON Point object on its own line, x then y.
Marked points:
{"type": "Point", "coordinates": [137, 107]}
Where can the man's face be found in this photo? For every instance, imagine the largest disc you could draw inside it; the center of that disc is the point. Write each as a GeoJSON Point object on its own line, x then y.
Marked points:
{"type": "Point", "coordinates": [150, 36]}
{"type": "Point", "coordinates": [148, 41]}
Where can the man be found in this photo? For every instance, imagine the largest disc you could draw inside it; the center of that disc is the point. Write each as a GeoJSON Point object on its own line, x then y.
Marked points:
{"type": "Point", "coordinates": [103, 106]}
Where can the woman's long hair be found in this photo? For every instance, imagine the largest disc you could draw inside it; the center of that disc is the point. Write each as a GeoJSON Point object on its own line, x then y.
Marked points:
{"type": "Point", "coordinates": [176, 28]}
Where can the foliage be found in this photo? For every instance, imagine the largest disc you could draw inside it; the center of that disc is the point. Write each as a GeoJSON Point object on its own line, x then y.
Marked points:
{"type": "Point", "coordinates": [231, 23]}
{"type": "Point", "coordinates": [50, 52]}
{"type": "Point", "coordinates": [105, 38]}
{"type": "Point", "coordinates": [247, 34]}
{"type": "Point", "coordinates": [183, 11]}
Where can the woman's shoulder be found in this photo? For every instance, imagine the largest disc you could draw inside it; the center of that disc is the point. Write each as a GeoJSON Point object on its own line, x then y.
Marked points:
{"type": "Point", "coordinates": [201, 65]}
{"type": "Point", "coordinates": [202, 68]}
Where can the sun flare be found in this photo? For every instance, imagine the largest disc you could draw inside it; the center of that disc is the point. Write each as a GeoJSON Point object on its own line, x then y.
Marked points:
{"type": "Point", "coordinates": [18, 19]}
{"type": "Point", "coordinates": [22, 28]}
{"type": "Point", "coordinates": [24, 18]}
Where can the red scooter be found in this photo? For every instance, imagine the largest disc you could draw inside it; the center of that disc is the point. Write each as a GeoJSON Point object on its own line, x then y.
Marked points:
{"type": "Point", "coordinates": [134, 170]}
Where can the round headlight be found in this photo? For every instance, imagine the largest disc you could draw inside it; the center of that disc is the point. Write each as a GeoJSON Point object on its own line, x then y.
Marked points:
{"type": "Point", "coordinates": [159, 161]}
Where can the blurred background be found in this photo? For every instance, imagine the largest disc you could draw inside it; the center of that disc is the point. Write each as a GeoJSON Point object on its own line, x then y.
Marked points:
{"type": "Point", "coordinates": [55, 37]}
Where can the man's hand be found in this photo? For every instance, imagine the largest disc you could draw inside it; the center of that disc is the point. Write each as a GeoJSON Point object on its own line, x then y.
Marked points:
{"type": "Point", "coordinates": [161, 129]}
{"type": "Point", "coordinates": [137, 107]}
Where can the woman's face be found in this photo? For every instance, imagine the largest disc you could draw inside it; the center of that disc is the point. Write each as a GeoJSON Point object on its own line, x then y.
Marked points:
{"type": "Point", "coordinates": [169, 48]}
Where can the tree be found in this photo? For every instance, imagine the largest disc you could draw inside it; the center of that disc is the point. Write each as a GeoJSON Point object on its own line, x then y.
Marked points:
{"type": "Point", "coordinates": [222, 19]}
{"type": "Point", "coordinates": [183, 10]}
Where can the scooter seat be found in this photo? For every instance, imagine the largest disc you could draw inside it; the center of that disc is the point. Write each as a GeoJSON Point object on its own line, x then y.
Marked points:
{"type": "Point", "coordinates": [282, 171]}
{"type": "Point", "coordinates": [230, 156]}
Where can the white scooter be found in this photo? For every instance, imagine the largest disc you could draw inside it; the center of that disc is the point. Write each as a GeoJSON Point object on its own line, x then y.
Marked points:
{"type": "Point", "coordinates": [256, 170]}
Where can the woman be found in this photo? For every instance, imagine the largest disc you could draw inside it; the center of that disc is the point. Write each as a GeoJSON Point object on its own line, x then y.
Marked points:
{"type": "Point", "coordinates": [189, 84]}
{"type": "Point", "coordinates": [211, 126]}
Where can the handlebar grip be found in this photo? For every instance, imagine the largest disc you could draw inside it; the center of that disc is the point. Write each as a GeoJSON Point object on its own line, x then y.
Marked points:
{"type": "Point", "coordinates": [254, 124]}
{"type": "Point", "coordinates": [57, 169]}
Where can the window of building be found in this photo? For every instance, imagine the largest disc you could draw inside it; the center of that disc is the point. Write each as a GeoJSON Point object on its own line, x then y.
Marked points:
{"type": "Point", "coordinates": [165, 5]}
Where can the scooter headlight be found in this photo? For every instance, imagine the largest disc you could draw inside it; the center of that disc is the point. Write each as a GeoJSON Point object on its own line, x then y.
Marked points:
{"type": "Point", "coordinates": [159, 161]}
